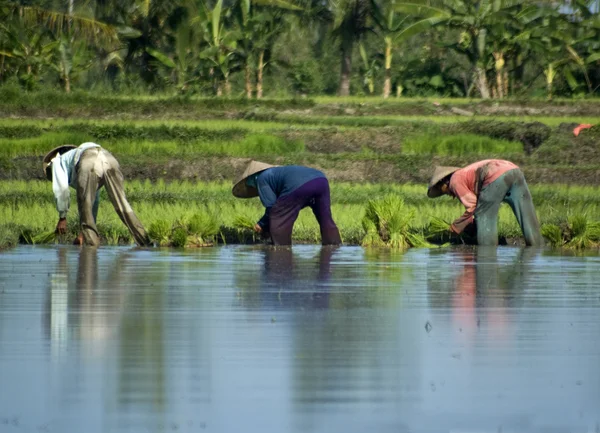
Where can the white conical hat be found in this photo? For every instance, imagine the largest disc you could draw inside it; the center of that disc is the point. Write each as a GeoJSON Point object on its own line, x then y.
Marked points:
{"type": "Point", "coordinates": [433, 190]}
{"type": "Point", "coordinates": [240, 189]}
{"type": "Point", "coordinates": [50, 156]}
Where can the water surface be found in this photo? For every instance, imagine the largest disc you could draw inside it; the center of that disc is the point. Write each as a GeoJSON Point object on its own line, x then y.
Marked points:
{"type": "Point", "coordinates": [308, 339]}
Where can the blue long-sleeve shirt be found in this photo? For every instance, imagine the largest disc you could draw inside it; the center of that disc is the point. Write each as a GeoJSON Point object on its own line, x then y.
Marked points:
{"type": "Point", "coordinates": [277, 182]}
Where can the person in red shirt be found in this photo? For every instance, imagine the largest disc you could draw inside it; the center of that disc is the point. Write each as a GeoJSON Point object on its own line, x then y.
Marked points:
{"type": "Point", "coordinates": [482, 187]}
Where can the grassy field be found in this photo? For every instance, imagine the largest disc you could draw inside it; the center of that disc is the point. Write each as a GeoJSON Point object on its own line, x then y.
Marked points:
{"type": "Point", "coordinates": [27, 210]}
{"type": "Point", "coordinates": [179, 156]}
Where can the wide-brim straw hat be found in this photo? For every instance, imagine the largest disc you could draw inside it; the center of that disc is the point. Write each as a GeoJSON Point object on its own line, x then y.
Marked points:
{"type": "Point", "coordinates": [50, 156]}
{"type": "Point", "coordinates": [240, 189]}
{"type": "Point", "coordinates": [440, 173]}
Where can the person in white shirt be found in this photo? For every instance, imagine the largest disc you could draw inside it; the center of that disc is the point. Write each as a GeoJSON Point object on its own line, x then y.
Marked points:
{"type": "Point", "coordinates": [87, 168]}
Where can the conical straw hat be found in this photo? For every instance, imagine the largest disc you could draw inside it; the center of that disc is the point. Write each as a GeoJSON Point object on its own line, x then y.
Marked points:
{"type": "Point", "coordinates": [439, 174]}
{"type": "Point", "coordinates": [50, 156]}
{"type": "Point", "coordinates": [240, 189]}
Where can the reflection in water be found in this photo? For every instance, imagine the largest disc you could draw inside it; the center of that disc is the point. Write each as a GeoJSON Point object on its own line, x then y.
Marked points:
{"type": "Point", "coordinates": [481, 289]}
{"type": "Point", "coordinates": [302, 339]}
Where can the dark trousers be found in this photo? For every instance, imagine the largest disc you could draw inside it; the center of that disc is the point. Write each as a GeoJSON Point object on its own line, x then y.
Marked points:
{"type": "Point", "coordinates": [510, 188]}
{"type": "Point", "coordinates": [314, 193]}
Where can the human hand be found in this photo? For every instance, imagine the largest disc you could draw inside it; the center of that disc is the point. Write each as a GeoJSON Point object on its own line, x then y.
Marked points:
{"type": "Point", "coordinates": [61, 226]}
{"type": "Point", "coordinates": [257, 228]}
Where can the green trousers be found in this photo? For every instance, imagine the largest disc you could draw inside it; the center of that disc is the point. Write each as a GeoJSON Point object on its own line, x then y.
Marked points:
{"type": "Point", "coordinates": [510, 188]}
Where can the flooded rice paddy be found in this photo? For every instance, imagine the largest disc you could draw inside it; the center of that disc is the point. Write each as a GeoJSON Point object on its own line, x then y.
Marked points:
{"type": "Point", "coordinates": [308, 339]}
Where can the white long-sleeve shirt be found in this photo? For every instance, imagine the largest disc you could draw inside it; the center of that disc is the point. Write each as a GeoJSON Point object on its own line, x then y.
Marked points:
{"type": "Point", "coordinates": [63, 176]}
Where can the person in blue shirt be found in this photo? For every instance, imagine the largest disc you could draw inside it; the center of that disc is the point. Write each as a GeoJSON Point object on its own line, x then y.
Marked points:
{"type": "Point", "coordinates": [87, 168]}
{"type": "Point", "coordinates": [284, 191]}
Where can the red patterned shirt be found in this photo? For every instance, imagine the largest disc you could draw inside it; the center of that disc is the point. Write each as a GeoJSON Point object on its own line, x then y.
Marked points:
{"type": "Point", "coordinates": [466, 183]}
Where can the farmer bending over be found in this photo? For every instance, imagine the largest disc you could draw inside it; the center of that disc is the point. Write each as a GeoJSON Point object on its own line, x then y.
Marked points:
{"type": "Point", "coordinates": [86, 169]}
{"type": "Point", "coordinates": [284, 191]}
{"type": "Point", "coordinates": [482, 187]}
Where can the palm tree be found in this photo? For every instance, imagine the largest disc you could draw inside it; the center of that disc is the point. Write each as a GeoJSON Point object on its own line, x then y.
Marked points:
{"type": "Point", "coordinates": [350, 25]}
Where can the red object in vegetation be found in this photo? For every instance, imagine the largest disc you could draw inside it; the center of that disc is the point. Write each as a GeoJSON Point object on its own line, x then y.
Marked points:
{"type": "Point", "coordinates": [579, 128]}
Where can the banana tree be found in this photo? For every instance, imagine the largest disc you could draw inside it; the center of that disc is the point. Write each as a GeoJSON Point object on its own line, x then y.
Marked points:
{"type": "Point", "coordinates": [350, 26]}
{"type": "Point", "coordinates": [370, 68]}
{"type": "Point", "coordinates": [222, 45]}
{"type": "Point", "coordinates": [70, 59]}
{"type": "Point", "coordinates": [392, 26]}
{"type": "Point", "coordinates": [555, 41]}
{"type": "Point", "coordinates": [474, 21]}
{"type": "Point", "coordinates": [30, 50]}
{"type": "Point", "coordinates": [260, 22]}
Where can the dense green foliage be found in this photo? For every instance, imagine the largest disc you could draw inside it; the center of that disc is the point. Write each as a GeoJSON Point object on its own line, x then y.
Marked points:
{"type": "Point", "coordinates": [296, 47]}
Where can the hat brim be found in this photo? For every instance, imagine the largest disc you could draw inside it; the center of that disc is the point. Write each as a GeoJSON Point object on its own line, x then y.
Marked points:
{"type": "Point", "coordinates": [434, 191]}
{"type": "Point", "coordinates": [50, 156]}
{"type": "Point", "coordinates": [241, 190]}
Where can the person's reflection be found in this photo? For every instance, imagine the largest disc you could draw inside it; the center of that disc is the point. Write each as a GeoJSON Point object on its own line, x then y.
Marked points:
{"type": "Point", "coordinates": [484, 291]}
{"type": "Point", "coordinates": [289, 281]}
{"type": "Point", "coordinates": [56, 311]}
{"type": "Point", "coordinates": [98, 301]}
{"type": "Point", "coordinates": [86, 308]}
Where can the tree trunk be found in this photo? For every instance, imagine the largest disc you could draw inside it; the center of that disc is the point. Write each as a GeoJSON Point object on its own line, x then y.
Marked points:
{"type": "Point", "coordinates": [346, 70]}
{"type": "Point", "coordinates": [387, 83]}
{"type": "Point", "coordinates": [248, 81]}
{"type": "Point", "coordinates": [505, 82]}
{"type": "Point", "coordinates": [259, 75]}
{"type": "Point", "coordinates": [1, 67]}
{"type": "Point", "coordinates": [499, 66]}
{"type": "Point", "coordinates": [482, 84]}
{"type": "Point", "coordinates": [227, 86]}
{"type": "Point", "coordinates": [67, 84]}
{"type": "Point", "coordinates": [549, 72]}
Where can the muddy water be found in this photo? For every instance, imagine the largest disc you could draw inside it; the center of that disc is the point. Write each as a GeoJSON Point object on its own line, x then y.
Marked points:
{"type": "Point", "coordinates": [239, 339]}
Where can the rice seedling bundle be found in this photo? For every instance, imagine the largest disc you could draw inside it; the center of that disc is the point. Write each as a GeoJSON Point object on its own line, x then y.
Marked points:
{"type": "Point", "coordinates": [437, 227]}
{"type": "Point", "coordinates": [390, 219]}
{"type": "Point", "coordinates": [44, 238]}
{"type": "Point", "coordinates": [202, 228]}
{"type": "Point", "coordinates": [160, 232]}
{"type": "Point", "coordinates": [553, 234]}
{"type": "Point", "coordinates": [179, 238]}
{"type": "Point", "coordinates": [243, 222]}
{"type": "Point", "coordinates": [584, 234]}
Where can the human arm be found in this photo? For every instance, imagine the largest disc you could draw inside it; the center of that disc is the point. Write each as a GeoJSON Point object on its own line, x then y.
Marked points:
{"type": "Point", "coordinates": [469, 200]}
{"type": "Point", "coordinates": [60, 188]}
{"type": "Point", "coordinates": [268, 197]}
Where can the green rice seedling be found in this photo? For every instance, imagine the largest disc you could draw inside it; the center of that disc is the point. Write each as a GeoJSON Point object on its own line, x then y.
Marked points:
{"type": "Point", "coordinates": [459, 145]}
{"type": "Point", "coordinates": [9, 235]}
{"type": "Point", "coordinates": [202, 228]}
{"type": "Point", "coordinates": [371, 237]}
{"type": "Point", "coordinates": [391, 219]}
{"type": "Point", "coordinates": [244, 228]}
{"type": "Point", "coordinates": [553, 234]}
{"type": "Point", "coordinates": [44, 238]}
{"type": "Point", "coordinates": [179, 238]}
{"type": "Point", "coordinates": [583, 233]}
{"type": "Point", "coordinates": [438, 227]}
{"type": "Point", "coordinates": [160, 232]}
{"type": "Point", "coordinates": [243, 222]}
